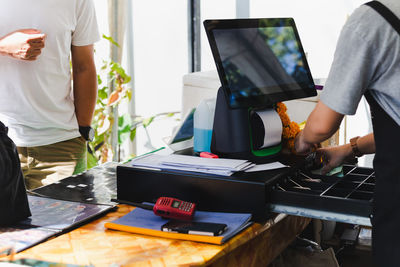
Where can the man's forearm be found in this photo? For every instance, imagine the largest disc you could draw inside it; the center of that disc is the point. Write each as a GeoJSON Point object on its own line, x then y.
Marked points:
{"type": "Point", "coordinates": [366, 144]}
{"type": "Point", "coordinates": [85, 94]}
{"type": "Point", "coordinates": [3, 49]}
{"type": "Point", "coordinates": [317, 134]}
{"type": "Point", "coordinates": [321, 124]}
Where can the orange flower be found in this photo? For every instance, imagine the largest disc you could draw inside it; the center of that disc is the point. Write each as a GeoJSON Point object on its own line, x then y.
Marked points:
{"type": "Point", "coordinates": [286, 132]}
{"type": "Point", "coordinates": [294, 129]}
{"type": "Point", "coordinates": [285, 119]}
{"type": "Point", "coordinates": [290, 145]}
{"type": "Point", "coordinates": [280, 107]}
{"type": "Point", "coordinates": [290, 131]}
{"type": "Point", "coordinates": [290, 128]}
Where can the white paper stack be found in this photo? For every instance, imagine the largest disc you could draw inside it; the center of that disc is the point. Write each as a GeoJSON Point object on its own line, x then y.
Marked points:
{"type": "Point", "coordinates": [225, 167]}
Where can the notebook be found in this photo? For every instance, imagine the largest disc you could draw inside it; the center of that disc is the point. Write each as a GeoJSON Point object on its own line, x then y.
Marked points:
{"type": "Point", "coordinates": [140, 221]}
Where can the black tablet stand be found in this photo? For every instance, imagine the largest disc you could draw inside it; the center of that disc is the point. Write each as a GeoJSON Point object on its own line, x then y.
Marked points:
{"type": "Point", "coordinates": [235, 134]}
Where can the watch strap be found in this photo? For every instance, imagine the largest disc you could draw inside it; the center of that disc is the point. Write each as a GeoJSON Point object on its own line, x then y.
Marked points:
{"type": "Point", "coordinates": [354, 147]}
{"type": "Point", "coordinates": [85, 132]}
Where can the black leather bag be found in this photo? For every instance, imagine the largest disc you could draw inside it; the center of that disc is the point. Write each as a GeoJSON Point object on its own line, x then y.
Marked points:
{"type": "Point", "coordinates": [13, 199]}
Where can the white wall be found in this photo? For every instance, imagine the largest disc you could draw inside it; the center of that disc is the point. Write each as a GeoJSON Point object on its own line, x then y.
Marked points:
{"type": "Point", "coordinates": [211, 9]}
{"type": "Point", "coordinates": [102, 47]}
{"type": "Point", "coordinates": [161, 54]}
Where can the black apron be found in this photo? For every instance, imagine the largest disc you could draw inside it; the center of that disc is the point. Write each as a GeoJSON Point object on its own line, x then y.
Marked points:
{"type": "Point", "coordinates": [386, 205]}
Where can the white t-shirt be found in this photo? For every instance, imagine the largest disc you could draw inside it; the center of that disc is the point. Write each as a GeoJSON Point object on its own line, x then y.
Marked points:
{"type": "Point", "coordinates": [367, 57]}
{"type": "Point", "coordinates": [36, 99]}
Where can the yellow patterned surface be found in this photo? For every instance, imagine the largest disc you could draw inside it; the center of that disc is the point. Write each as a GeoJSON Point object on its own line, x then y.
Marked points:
{"type": "Point", "coordinates": [96, 245]}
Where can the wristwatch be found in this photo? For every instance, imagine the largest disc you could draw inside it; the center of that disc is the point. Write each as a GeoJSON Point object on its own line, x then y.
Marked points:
{"type": "Point", "coordinates": [353, 143]}
{"type": "Point", "coordinates": [87, 132]}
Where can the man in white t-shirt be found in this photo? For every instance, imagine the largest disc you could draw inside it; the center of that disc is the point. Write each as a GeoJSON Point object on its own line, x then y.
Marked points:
{"type": "Point", "coordinates": [48, 119]}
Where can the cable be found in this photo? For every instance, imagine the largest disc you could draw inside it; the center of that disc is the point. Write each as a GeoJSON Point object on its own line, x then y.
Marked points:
{"type": "Point", "coordinates": [138, 205]}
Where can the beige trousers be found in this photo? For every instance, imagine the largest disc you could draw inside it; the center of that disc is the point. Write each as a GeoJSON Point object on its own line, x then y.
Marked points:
{"type": "Point", "coordinates": [47, 164]}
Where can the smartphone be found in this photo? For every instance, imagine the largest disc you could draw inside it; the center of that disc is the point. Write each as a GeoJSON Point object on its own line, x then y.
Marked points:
{"type": "Point", "coordinates": [194, 228]}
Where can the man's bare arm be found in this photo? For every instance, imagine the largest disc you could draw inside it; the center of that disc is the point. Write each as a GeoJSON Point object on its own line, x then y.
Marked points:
{"type": "Point", "coordinates": [24, 44]}
{"type": "Point", "coordinates": [336, 155]}
{"type": "Point", "coordinates": [85, 83]}
{"type": "Point", "coordinates": [322, 123]}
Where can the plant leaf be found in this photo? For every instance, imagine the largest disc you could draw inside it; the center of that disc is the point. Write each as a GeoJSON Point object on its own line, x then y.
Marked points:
{"type": "Point", "coordinates": [129, 94]}
{"type": "Point", "coordinates": [133, 134]}
{"type": "Point", "coordinates": [124, 128]}
{"type": "Point", "coordinates": [111, 40]}
{"type": "Point", "coordinates": [171, 114]}
{"type": "Point", "coordinates": [91, 161]}
{"type": "Point", "coordinates": [104, 126]}
{"type": "Point", "coordinates": [102, 93]}
{"type": "Point", "coordinates": [116, 67]}
{"type": "Point", "coordinates": [124, 120]}
{"type": "Point", "coordinates": [114, 98]}
{"type": "Point", "coordinates": [148, 121]}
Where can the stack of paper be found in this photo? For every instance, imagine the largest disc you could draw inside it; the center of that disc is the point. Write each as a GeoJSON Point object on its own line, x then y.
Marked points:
{"type": "Point", "coordinates": [224, 167]}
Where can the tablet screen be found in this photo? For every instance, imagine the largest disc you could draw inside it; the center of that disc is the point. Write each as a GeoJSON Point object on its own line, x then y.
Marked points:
{"type": "Point", "coordinates": [185, 129]}
{"type": "Point", "coordinates": [259, 61]}
{"type": "Point", "coordinates": [182, 138]}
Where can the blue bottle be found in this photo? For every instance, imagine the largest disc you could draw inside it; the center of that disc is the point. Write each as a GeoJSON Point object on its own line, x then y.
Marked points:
{"type": "Point", "coordinates": [203, 125]}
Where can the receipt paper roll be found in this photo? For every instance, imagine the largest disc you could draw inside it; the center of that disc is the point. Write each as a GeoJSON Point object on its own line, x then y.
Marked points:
{"type": "Point", "coordinates": [266, 128]}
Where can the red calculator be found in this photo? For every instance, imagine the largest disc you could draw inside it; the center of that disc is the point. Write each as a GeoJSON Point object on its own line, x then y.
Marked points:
{"type": "Point", "coordinates": [173, 208]}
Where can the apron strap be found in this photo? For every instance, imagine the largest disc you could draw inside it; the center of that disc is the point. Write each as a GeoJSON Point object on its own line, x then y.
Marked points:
{"type": "Point", "coordinates": [386, 13]}
{"type": "Point", "coordinates": [371, 100]}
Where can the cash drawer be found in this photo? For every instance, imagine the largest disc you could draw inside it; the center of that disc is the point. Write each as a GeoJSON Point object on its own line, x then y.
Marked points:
{"type": "Point", "coordinates": [347, 198]}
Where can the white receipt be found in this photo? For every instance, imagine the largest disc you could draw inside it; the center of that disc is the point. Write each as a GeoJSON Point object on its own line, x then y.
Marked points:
{"type": "Point", "coordinates": [272, 127]}
{"type": "Point", "coordinates": [266, 167]}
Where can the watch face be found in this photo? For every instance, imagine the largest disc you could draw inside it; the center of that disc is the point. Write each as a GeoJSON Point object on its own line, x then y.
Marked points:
{"type": "Point", "coordinates": [87, 132]}
{"type": "Point", "coordinates": [91, 134]}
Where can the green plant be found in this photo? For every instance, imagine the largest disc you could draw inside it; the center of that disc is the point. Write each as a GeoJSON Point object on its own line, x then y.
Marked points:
{"type": "Point", "coordinates": [100, 149]}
